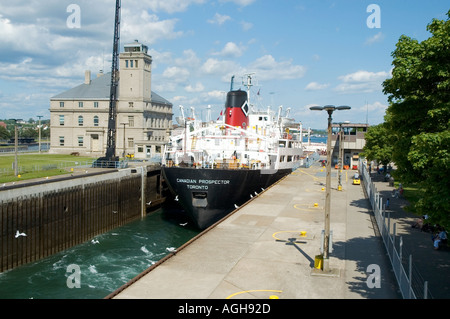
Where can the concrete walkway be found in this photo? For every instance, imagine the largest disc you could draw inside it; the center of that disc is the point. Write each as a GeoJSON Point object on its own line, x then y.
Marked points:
{"type": "Point", "coordinates": [258, 252]}
{"type": "Point", "coordinates": [428, 264]}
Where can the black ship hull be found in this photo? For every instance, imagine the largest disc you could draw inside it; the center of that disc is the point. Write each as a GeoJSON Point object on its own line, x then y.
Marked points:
{"type": "Point", "coordinates": [208, 195]}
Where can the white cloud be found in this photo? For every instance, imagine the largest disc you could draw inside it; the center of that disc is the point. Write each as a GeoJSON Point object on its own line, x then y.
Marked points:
{"type": "Point", "coordinates": [148, 28]}
{"type": "Point", "coordinates": [246, 25]}
{"type": "Point", "coordinates": [376, 38]}
{"type": "Point", "coordinates": [361, 82]}
{"type": "Point", "coordinates": [169, 6]}
{"type": "Point", "coordinates": [242, 3]}
{"type": "Point", "coordinates": [231, 49]}
{"type": "Point", "coordinates": [195, 89]}
{"type": "Point", "coordinates": [364, 76]}
{"type": "Point", "coordinates": [266, 67]}
{"type": "Point", "coordinates": [176, 74]}
{"type": "Point", "coordinates": [219, 19]}
{"type": "Point", "coordinates": [314, 86]}
{"type": "Point", "coordinates": [218, 67]}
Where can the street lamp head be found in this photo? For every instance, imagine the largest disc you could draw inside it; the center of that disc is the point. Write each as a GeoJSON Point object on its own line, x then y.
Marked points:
{"type": "Point", "coordinates": [343, 107]}
{"type": "Point", "coordinates": [316, 108]}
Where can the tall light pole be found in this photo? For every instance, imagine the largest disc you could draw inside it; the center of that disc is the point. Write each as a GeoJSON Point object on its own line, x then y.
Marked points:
{"type": "Point", "coordinates": [341, 155]}
{"type": "Point", "coordinates": [16, 147]}
{"type": "Point", "coordinates": [39, 127]}
{"type": "Point", "coordinates": [124, 147]}
{"type": "Point", "coordinates": [326, 243]}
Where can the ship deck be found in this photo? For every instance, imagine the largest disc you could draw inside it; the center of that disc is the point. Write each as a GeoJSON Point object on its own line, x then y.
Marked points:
{"type": "Point", "coordinates": [267, 248]}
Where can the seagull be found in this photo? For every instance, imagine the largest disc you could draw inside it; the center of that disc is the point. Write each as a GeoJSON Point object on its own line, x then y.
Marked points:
{"type": "Point", "coordinates": [256, 193]}
{"type": "Point", "coordinates": [236, 206]}
{"type": "Point", "coordinates": [114, 211]}
{"type": "Point", "coordinates": [19, 234]}
{"type": "Point", "coordinates": [251, 196]}
{"type": "Point", "coordinates": [183, 224]}
{"type": "Point", "coordinates": [176, 198]}
{"type": "Point", "coordinates": [262, 189]}
{"type": "Point", "coordinates": [171, 249]}
{"type": "Point", "coordinates": [149, 203]}
{"type": "Point", "coordinates": [95, 241]}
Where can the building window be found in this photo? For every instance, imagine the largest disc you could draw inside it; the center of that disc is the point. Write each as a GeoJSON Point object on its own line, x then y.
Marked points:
{"type": "Point", "coordinates": [96, 120]}
{"type": "Point", "coordinates": [80, 104]}
{"type": "Point", "coordinates": [126, 63]}
{"type": "Point", "coordinates": [61, 141]}
{"type": "Point", "coordinates": [131, 121]}
{"type": "Point", "coordinates": [131, 63]}
{"type": "Point", "coordinates": [136, 63]}
{"type": "Point", "coordinates": [130, 104]}
{"type": "Point", "coordinates": [80, 120]}
{"type": "Point", "coordinates": [80, 140]}
{"type": "Point", "coordinates": [130, 142]}
{"type": "Point", "coordinates": [61, 120]}
{"type": "Point", "coordinates": [96, 105]}
{"type": "Point", "coordinates": [61, 104]}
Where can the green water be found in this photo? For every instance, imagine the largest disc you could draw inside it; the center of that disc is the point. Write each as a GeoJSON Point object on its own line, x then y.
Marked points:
{"type": "Point", "coordinates": [103, 264]}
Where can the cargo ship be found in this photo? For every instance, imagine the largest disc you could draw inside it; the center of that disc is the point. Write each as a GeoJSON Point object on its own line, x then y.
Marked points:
{"type": "Point", "coordinates": [214, 167]}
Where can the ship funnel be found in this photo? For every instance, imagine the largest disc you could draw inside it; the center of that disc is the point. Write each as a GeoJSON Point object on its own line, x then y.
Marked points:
{"type": "Point", "coordinates": [237, 109]}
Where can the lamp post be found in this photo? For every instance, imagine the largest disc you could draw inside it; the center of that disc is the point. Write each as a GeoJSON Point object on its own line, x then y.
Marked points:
{"type": "Point", "coordinates": [16, 147]}
{"type": "Point", "coordinates": [326, 243]}
{"type": "Point", "coordinates": [341, 150]}
{"type": "Point", "coordinates": [124, 147]}
{"type": "Point", "coordinates": [39, 128]}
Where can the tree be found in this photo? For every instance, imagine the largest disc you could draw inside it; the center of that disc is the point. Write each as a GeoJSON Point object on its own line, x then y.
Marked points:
{"type": "Point", "coordinates": [419, 116]}
{"type": "Point", "coordinates": [378, 145]}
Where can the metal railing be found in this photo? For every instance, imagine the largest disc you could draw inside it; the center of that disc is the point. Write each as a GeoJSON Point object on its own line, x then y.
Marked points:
{"type": "Point", "coordinates": [410, 282]}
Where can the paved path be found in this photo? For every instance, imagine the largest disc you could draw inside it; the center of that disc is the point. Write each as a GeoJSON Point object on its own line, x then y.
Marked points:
{"type": "Point", "coordinates": [428, 264]}
{"type": "Point", "coordinates": [258, 252]}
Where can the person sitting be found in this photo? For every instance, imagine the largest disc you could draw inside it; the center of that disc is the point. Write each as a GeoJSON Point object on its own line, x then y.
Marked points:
{"type": "Point", "coordinates": [439, 238]}
{"type": "Point", "coordinates": [419, 222]}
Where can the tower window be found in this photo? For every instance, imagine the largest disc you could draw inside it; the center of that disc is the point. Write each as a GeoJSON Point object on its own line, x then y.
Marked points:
{"type": "Point", "coordinates": [96, 105]}
{"type": "Point", "coordinates": [80, 140]}
{"type": "Point", "coordinates": [61, 104]}
{"type": "Point", "coordinates": [61, 120]}
{"type": "Point", "coordinates": [126, 63]}
{"type": "Point", "coordinates": [80, 104]}
{"type": "Point", "coordinates": [61, 141]}
{"type": "Point", "coordinates": [80, 120]}
{"type": "Point", "coordinates": [131, 63]}
{"type": "Point", "coordinates": [96, 120]}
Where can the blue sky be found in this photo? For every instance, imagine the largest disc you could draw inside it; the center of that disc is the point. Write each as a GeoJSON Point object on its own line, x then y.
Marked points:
{"type": "Point", "coordinates": [303, 53]}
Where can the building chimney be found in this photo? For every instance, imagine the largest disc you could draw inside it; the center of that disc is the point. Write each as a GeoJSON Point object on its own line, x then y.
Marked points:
{"type": "Point", "coordinates": [87, 77]}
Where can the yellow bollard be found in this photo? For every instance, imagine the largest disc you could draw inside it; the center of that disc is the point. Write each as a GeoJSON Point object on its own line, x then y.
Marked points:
{"type": "Point", "coordinates": [19, 176]}
{"type": "Point", "coordinates": [318, 262]}
{"type": "Point", "coordinates": [316, 204]}
{"type": "Point", "coordinates": [71, 169]}
{"type": "Point", "coordinates": [302, 234]}
{"type": "Point", "coordinates": [273, 297]}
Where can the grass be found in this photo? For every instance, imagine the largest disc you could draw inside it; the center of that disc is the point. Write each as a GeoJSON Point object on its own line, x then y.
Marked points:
{"type": "Point", "coordinates": [412, 193]}
{"type": "Point", "coordinates": [39, 165]}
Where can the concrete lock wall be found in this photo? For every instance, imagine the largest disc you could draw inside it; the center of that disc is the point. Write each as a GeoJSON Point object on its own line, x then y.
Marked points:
{"type": "Point", "coordinates": [39, 220]}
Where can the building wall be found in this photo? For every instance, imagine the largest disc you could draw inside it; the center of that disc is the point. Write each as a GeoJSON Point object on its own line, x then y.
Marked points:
{"type": "Point", "coordinates": [142, 125]}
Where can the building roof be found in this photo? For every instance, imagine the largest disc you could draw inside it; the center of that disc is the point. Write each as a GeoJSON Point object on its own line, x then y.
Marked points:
{"type": "Point", "coordinates": [98, 89]}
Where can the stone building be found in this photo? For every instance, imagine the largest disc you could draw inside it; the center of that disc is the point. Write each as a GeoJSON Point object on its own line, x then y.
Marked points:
{"type": "Point", "coordinates": [79, 116]}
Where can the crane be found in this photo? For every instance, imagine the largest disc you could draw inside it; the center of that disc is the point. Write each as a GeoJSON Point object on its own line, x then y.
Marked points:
{"type": "Point", "coordinates": [110, 156]}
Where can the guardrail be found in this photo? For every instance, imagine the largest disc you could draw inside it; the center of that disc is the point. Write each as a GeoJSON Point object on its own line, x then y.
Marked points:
{"type": "Point", "coordinates": [410, 282]}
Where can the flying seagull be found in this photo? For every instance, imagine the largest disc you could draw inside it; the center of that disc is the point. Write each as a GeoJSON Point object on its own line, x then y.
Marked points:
{"type": "Point", "coordinates": [19, 234]}
{"type": "Point", "coordinates": [183, 224]}
{"type": "Point", "coordinates": [176, 198]}
{"type": "Point", "coordinates": [236, 206]}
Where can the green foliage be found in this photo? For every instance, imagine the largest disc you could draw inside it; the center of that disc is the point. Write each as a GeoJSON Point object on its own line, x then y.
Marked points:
{"type": "Point", "coordinates": [418, 117]}
{"type": "Point", "coordinates": [378, 145]}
